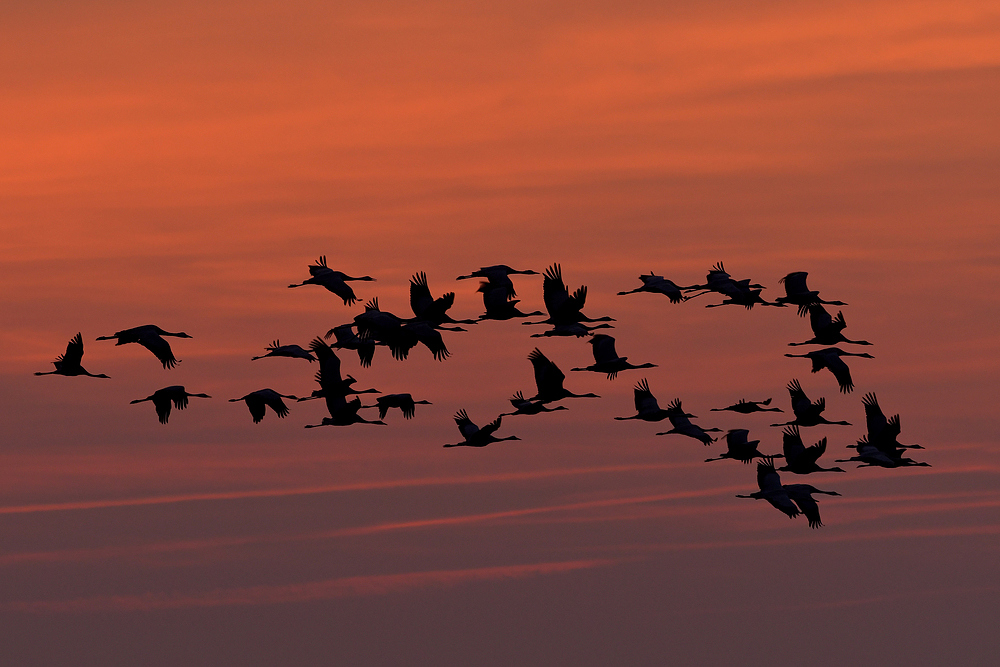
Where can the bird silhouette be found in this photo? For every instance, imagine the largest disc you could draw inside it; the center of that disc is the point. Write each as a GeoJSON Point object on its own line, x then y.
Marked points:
{"type": "Point", "coordinates": [432, 311]}
{"type": "Point", "coordinates": [498, 276]}
{"type": "Point", "coordinates": [745, 407]}
{"type": "Point", "coordinates": [883, 433]}
{"type": "Point", "coordinates": [800, 459]}
{"type": "Point", "coordinates": [334, 281]}
{"type": "Point", "coordinates": [562, 307]}
{"type": "Point", "coordinates": [771, 490]}
{"type": "Point", "coordinates": [276, 349]}
{"type": "Point", "coordinates": [549, 380]}
{"type": "Point", "coordinates": [162, 399]}
{"type": "Point", "coordinates": [797, 293]}
{"type": "Point", "coordinates": [577, 329]}
{"type": "Point", "coordinates": [659, 285]}
{"type": "Point", "coordinates": [522, 406]}
{"type": "Point", "coordinates": [475, 436]}
{"type": "Point", "coordinates": [404, 402]}
{"type": "Point", "coordinates": [346, 339]}
{"type": "Point", "coordinates": [646, 407]}
{"type": "Point", "coordinates": [150, 337]}
{"type": "Point", "coordinates": [827, 330]}
{"type": "Point", "coordinates": [680, 422]}
{"type": "Point", "coordinates": [870, 456]}
{"type": "Point", "coordinates": [606, 359]}
{"type": "Point", "coordinates": [344, 413]}
{"type": "Point", "coordinates": [258, 402]}
{"type": "Point", "coordinates": [68, 363]}
{"type": "Point", "coordinates": [807, 413]}
{"type": "Point", "coordinates": [739, 447]}
{"type": "Point", "coordinates": [332, 385]}
{"type": "Point", "coordinates": [801, 495]}
{"type": "Point", "coordinates": [499, 305]}
{"type": "Point", "coordinates": [830, 358]}
{"type": "Point", "coordinates": [737, 292]}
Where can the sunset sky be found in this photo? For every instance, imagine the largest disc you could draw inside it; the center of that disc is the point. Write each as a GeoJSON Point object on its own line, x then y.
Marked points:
{"type": "Point", "coordinates": [182, 163]}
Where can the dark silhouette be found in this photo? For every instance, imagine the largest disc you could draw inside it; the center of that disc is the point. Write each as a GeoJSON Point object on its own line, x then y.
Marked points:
{"type": "Point", "coordinates": [801, 495]}
{"type": "Point", "coordinates": [499, 305]}
{"type": "Point", "coordinates": [739, 447]}
{"type": "Point", "coordinates": [745, 407]}
{"type": "Point", "coordinates": [606, 359]}
{"type": "Point", "coordinates": [800, 459]}
{"type": "Point", "coordinates": [827, 330]}
{"type": "Point", "coordinates": [162, 398]}
{"type": "Point", "coordinates": [523, 406]}
{"type": "Point", "coordinates": [150, 337]}
{"type": "Point", "coordinates": [432, 311]}
{"type": "Point", "coordinates": [475, 436]}
{"type": "Point", "coordinates": [276, 349]}
{"type": "Point", "coordinates": [549, 380]}
{"type": "Point", "coordinates": [332, 385]}
{"type": "Point", "coordinates": [404, 402]}
{"type": "Point", "coordinates": [334, 281]}
{"type": "Point", "coordinates": [880, 446]}
{"type": "Point", "coordinates": [400, 335]}
{"type": "Point", "coordinates": [680, 422]}
{"type": "Point", "coordinates": [344, 413]}
{"type": "Point", "coordinates": [659, 285]}
{"type": "Point", "coordinates": [797, 293]}
{"type": "Point", "coordinates": [807, 413]}
{"type": "Point", "coordinates": [258, 402]}
{"type": "Point", "coordinates": [737, 292]}
{"type": "Point", "coordinates": [562, 307]}
{"type": "Point", "coordinates": [348, 340]}
{"type": "Point", "coordinates": [830, 358]}
{"type": "Point", "coordinates": [68, 363]}
{"type": "Point", "coordinates": [498, 276]}
{"type": "Point", "coordinates": [578, 329]}
{"type": "Point", "coordinates": [771, 490]}
{"type": "Point", "coordinates": [869, 455]}
{"type": "Point", "coordinates": [646, 407]}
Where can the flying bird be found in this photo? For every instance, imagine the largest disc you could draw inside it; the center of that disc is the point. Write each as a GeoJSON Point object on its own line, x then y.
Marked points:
{"type": "Point", "coordinates": [739, 447]}
{"type": "Point", "coordinates": [681, 424]}
{"type": "Point", "coordinates": [549, 380]}
{"type": "Point", "coordinates": [522, 406]}
{"type": "Point", "coordinates": [432, 311]}
{"type": "Point", "coordinates": [150, 337]}
{"type": "Point", "coordinates": [404, 402]}
{"type": "Point", "coordinates": [344, 413]}
{"type": "Point", "coordinates": [499, 305]}
{"type": "Point", "coordinates": [771, 490]}
{"type": "Point", "coordinates": [162, 399]}
{"type": "Point", "coordinates": [830, 358]}
{"type": "Point", "coordinates": [68, 363]}
{"type": "Point", "coordinates": [258, 402]}
{"type": "Point", "coordinates": [348, 340]}
{"type": "Point", "coordinates": [276, 349]}
{"type": "Point", "coordinates": [334, 281]}
{"type": "Point", "coordinates": [475, 436]}
{"type": "Point", "coordinates": [498, 276]}
{"type": "Point", "coordinates": [807, 413]}
{"type": "Point", "coordinates": [659, 285]}
{"type": "Point", "coordinates": [801, 495]}
{"type": "Point", "coordinates": [745, 407]}
{"type": "Point", "coordinates": [827, 330]}
{"type": "Point", "coordinates": [564, 308]}
{"type": "Point", "coordinates": [800, 459]}
{"type": "Point", "coordinates": [606, 359]}
{"type": "Point", "coordinates": [797, 293]}
{"type": "Point", "coordinates": [646, 407]}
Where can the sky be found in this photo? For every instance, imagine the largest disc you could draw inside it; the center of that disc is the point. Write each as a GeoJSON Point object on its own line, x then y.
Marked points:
{"type": "Point", "coordinates": [182, 163]}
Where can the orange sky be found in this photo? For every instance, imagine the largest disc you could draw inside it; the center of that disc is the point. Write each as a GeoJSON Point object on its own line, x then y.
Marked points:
{"type": "Point", "coordinates": [180, 164]}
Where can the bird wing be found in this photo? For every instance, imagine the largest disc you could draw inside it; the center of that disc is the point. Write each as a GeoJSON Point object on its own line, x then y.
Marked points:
{"type": "Point", "coordinates": [491, 428]}
{"type": "Point", "coordinates": [799, 494]}
{"type": "Point", "coordinates": [819, 319]}
{"type": "Point", "coordinates": [160, 349]}
{"type": "Point", "coordinates": [800, 402]}
{"type": "Point", "coordinates": [257, 406]}
{"type": "Point", "coordinates": [795, 283]}
{"type": "Point", "coordinates": [162, 405]}
{"type": "Point", "coordinates": [465, 425]}
{"type": "Point", "coordinates": [604, 348]}
{"type": "Point", "coordinates": [272, 399]}
{"type": "Point", "coordinates": [420, 294]}
{"type": "Point", "coordinates": [842, 372]}
{"type": "Point", "coordinates": [813, 452]}
{"type": "Point", "coordinates": [874, 417]}
{"type": "Point", "coordinates": [548, 377]}
{"type": "Point", "coordinates": [645, 402]}
{"type": "Point", "coordinates": [74, 352]}
{"type": "Point", "coordinates": [554, 291]}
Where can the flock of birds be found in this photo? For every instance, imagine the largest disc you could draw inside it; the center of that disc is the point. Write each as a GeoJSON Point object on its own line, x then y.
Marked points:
{"type": "Point", "coordinates": [374, 328]}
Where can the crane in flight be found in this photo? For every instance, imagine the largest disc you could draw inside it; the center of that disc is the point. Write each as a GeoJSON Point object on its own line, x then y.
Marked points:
{"type": "Point", "coordinates": [523, 406]}
{"type": "Point", "coordinates": [740, 448]}
{"type": "Point", "coordinates": [827, 330]}
{"type": "Point", "coordinates": [831, 359]}
{"type": "Point", "coordinates": [800, 459]}
{"type": "Point", "coordinates": [498, 276]}
{"type": "Point", "coordinates": [606, 359]}
{"type": "Point", "coordinates": [655, 284]}
{"type": "Point", "coordinates": [334, 281]}
{"type": "Point", "coordinates": [797, 293]}
{"type": "Point", "coordinates": [150, 337]}
{"type": "Point", "coordinates": [646, 406]}
{"type": "Point", "coordinates": [807, 413]}
{"type": "Point", "coordinates": [745, 407]}
{"type": "Point", "coordinates": [404, 402]}
{"type": "Point", "coordinates": [549, 380]}
{"type": "Point", "coordinates": [276, 349]}
{"type": "Point", "coordinates": [681, 424]}
{"type": "Point", "coordinates": [475, 436]}
{"type": "Point", "coordinates": [163, 398]}
{"type": "Point", "coordinates": [68, 363]}
{"type": "Point", "coordinates": [258, 402]}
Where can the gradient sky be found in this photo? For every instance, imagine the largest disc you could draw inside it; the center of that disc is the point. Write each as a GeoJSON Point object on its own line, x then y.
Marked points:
{"type": "Point", "coordinates": [181, 164]}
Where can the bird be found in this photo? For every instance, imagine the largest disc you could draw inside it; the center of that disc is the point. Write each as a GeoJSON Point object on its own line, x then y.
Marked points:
{"type": "Point", "coordinates": [68, 363]}
{"type": "Point", "coordinates": [150, 337]}
{"type": "Point", "coordinates": [800, 459]}
{"type": "Point", "coordinates": [606, 360]}
{"type": "Point", "coordinates": [475, 436]}
{"type": "Point", "coordinates": [549, 380]}
{"type": "Point", "coordinates": [578, 329]}
{"type": "Point", "coordinates": [739, 447]}
{"type": "Point", "coordinates": [499, 305]}
{"type": "Point", "coordinates": [745, 407]}
{"type": "Point", "coordinates": [797, 293]}
{"type": "Point", "coordinates": [869, 456]}
{"type": "Point", "coordinates": [344, 413]}
{"type": "Point", "coordinates": [432, 311]}
{"type": "Point", "coordinates": [801, 495]}
{"type": "Point", "coordinates": [827, 330]}
{"type": "Point", "coordinates": [334, 281]}
{"type": "Point", "coordinates": [807, 413]}
{"type": "Point", "coordinates": [883, 433]}
{"type": "Point", "coordinates": [681, 424]}
{"type": "Point", "coordinates": [404, 402]}
{"type": "Point", "coordinates": [258, 401]}
{"type": "Point", "coordinates": [659, 285]}
{"type": "Point", "coordinates": [738, 292]}
{"type": "Point", "coordinates": [398, 334]}
{"type": "Point", "coordinates": [332, 385]}
{"type": "Point", "coordinates": [276, 349]}
{"type": "Point", "coordinates": [499, 276]}
{"type": "Point", "coordinates": [771, 490]}
{"type": "Point", "coordinates": [562, 307]}
{"type": "Point", "coordinates": [646, 407]}
{"type": "Point", "coordinates": [348, 340]}
{"type": "Point", "coordinates": [162, 398]}
{"type": "Point", "coordinates": [522, 406]}
{"type": "Point", "coordinates": [830, 358]}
